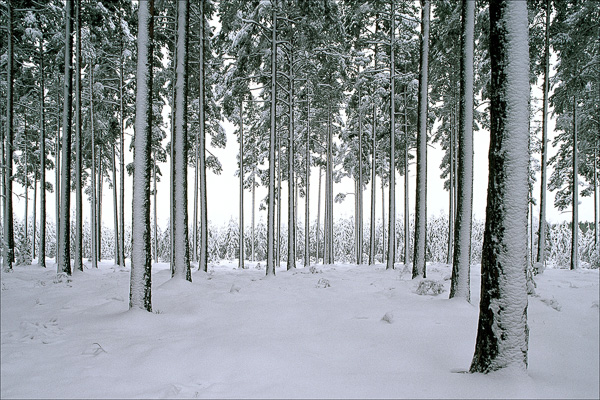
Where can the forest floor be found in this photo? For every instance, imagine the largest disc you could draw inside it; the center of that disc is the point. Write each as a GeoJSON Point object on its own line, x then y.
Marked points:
{"type": "Point", "coordinates": [342, 331]}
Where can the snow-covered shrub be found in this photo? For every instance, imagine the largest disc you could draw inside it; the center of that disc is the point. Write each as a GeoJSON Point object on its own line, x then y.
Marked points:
{"type": "Point", "coordinates": [430, 287]}
{"type": "Point", "coordinates": [23, 244]}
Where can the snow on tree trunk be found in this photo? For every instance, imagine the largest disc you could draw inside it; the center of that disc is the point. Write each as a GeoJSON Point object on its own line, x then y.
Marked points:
{"type": "Point", "coordinates": [307, 197]}
{"type": "Point", "coordinates": [203, 260]}
{"type": "Point", "coordinates": [9, 246]}
{"type": "Point", "coordinates": [359, 195]}
{"type": "Point", "coordinates": [42, 246]}
{"type": "Point", "coordinates": [57, 175]}
{"type": "Point", "coordinates": [373, 190]}
{"type": "Point", "coordinates": [241, 242]}
{"type": "Point", "coordinates": [154, 192]}
{"type": "Point", "coordinates": [391, 256]}
{"type": "Point", "coordinates": [121, 238]}
{"type": "Point", "coordinates": [291, 253]}
{"type": "Point", "coordinates": [541, 250]}
{"type": "Point", "coordinates": [115, 205]}
{"type": "Point", "coordinates": [502, 333]}
{"type": "Point", "coordinates": [328, 255]}
{"type": "Point", "coordinates": [64, 258]}
{"type": "Point", "coordinates": [421, 194]}
{"type": "Point", "coordinates": [78, 256]}
{"type": "Point", "coordinates": [575, 214]}
{"type": "Point", "coordinates": [406, 195]}
{"type": "Point", "coordinates": [181, 261]}
{"type": "Point", "coordinates": [460, 283]}
{"type": "Point", "coordinates": [141, 261]}
{"type": "Point", "coordinates": [270, 270]}
{"type": "Point", "coordinates": [93, 216]}
{"type": "Point", "coordinates": [318, 229]}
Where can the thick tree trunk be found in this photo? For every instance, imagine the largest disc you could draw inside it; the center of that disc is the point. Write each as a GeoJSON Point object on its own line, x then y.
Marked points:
{"type": "Point", "coordinates": [419, 267]}
{"type": "Point", "coordinates": [461, 266]}
{"type": "Point", "coordinates": [270, 269]}
{"type": "Point", "coordinates": [391, 250]}
{"type": "Point", "coordinates": [502, 333]}
{"type": "Point", "coordinates": [541, 250]}
{"type": "Point", "coordinates": [78, 256]}
{"type": "Point", "coordinates": [94, 200]}
{"type": "Point", "coordinates": [181, 260]}
{"type": "Point", "coordinates": [575, 220]}
{"type": "Point", "coordinates": [9, 245]}
{"type": "Point", "coordinates": [64, 257]}
{"type": "Point", "coordinates": [141, 261]}
{"type": "Point", "coordinates": [373, 189]}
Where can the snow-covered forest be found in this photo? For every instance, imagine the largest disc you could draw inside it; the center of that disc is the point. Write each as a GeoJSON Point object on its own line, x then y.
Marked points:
{"type": "Point", "coordinates": [105, 99]}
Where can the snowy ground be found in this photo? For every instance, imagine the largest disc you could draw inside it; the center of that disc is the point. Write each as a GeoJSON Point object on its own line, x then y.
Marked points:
{"type": "Point", "coordinates": [235, 333]}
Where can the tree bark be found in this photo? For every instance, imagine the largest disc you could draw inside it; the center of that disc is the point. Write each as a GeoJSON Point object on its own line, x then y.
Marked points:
{"type": "Point", "coordinates": [64, 259]}
{"type": "Point", "coordinates": [307, 197]}
{"type": "Point", "coordinates": [141, 260]}
{"type": "Point", "coordinates": [155, 216]}
{"type": "Point", "coordinates": [9, 244]}
{"type": "Point", "coordinates": [241, 239]}
{"type": "Point", "coordinates": [419, 266]}
{"type": "Point", "coordinates": [115, 205]}
{"type": "Point", "coordinates": [78, 256]}
{"type": "Point", "coordinates": [502, 333]}
{"type": "Point", "coordinates": [181, 260]}
{"type": "Point", "coordinates": [57, 177]}
{"type": "Point", "coordinates": [121, 238]}
{"type": "Point", "coordinates": [94, 201]}
{"type": "Point", "coordinates": [270, 268]}
{"type": "Point", "coordinates": [541, 250]}
{"type": "Point", "coordinates": [461, 266]}
{"type": "Point", "coordinates": [406, 198]}
{"type": "Point", "coordinates": [373, 189]}
{"type": "Point", "coordinates": [318, 230]}
{"type": "Point", "coordinates": [575, 220]}
{"type": "Point", "coordinates": [359, 225]}
{"type": "Point", "coordinates": [203, 260]}
{"type": "Point", "coordinates": [100, 186]}
{"type": "Point", "coordinates": [391, 250]}
{"type": "Point", "coordinates": [291, 252]}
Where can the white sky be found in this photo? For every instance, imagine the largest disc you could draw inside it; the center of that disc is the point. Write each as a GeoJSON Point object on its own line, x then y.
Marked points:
{"type": "Point", "coordinates": [223, 191]}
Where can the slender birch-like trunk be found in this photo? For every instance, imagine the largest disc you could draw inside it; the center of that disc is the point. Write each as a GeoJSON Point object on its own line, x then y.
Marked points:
{"type": "Point", "coordinates": [291, 252]}
{"type": "Point", "coordinates": [318, 230]}
{"type": "Point", "coordinates": [241, 238]}
{"type": "Point", "coordinates": [359, 236]}
{"type": "Point", "coordinates": [94, 217]}
{"type": "Point", "coordinates": [406, 198]}
{"type": "Point", "coordinates": [100, 186]}
{"type": "Point", "coordinates": [115, 205]}
{"type": "Point", "coordinates": [373, 189]}
{"type": "Point", "coordinates": [155, 214]}
{"type": "Point", "coordinates": [64, 264]}
{"type": "Point", "coordinates": [57, 177]}
{"type": "Point", "coordinates": [121, 238]}
{"type": "Point", "coordinates": [307, 197]}
{"type": "Point", "coordinates": [203, 257]}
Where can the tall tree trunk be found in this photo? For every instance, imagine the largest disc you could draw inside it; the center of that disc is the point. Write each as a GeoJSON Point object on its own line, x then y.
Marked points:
{"type": "Point", "coordinates": [541, 250]}
{"type": "Point", "coordinates": [26, 180]}
{"type": "Point", "coordinates": [141, 261]}
{"type": "Point", "coordinates": [318, 230]}
{"type": "Point", "coordinates": [172, 158]}
{"type": "Point", "coordinates": [78, 256]}
{"type": "Point", "coordinates": [115, 205]}
{"type": "Point", "coordinates": [100, 186]}
{"type": "Point", "coordinates": [3, 196]}
{"type": "Point", "coordinates": [253, 212]}
{"type": "Point", "coordinates": [328, 256]}
{"type": "Point", "coordinates": [291, 252]}
{"type": "Point", "coordinates": [596, 234]}
{"type": "Point", "coordinates": [382, 221]}
{"type": "Point", "coordinates": [272, 136]}
{"type": "Point", "coordinates": [373, 189]}
{"type": "Point", "coordinates": [181, 260]}
{"type": "Point", "coordinates": [9, 244]}
{"type": "Point", "coordinates": [359, 255]}
{"type": "Point", "coordinates": [307, 196]}
{"type": "Point", "coordinates": [575, 220]}
{"type": "Point", "coordinates": [121, 238]}
{"type": "Point", "coordinates": [391, 253]}
{"type": "Point", "coordinates": [406, 196]}
{"type": "Point", "coordinates": [461, 266]}
{"type": "Point", "coordinates": [65, 190]}
{"type": "Point", "coordinates": [35, 182]}
{"type": "Point", "coordinates": [502, 333]}
{"type": "Point", "coordinates": [241, 238]}
{"type": "Point", "coordinates": [419, 266]}
{"type": "Point", "coordinates": [57, 177]}
{"type": "Point", "coordinates": [94, 200]}
{"type": "Point", "coordinates": [155, 214]}
{"type": "Point", "coordinates": [203, 261]}
{"type": "Point", "coordinates": [451, 191]}
{"type": "Point", "coordinates": [278, 201]}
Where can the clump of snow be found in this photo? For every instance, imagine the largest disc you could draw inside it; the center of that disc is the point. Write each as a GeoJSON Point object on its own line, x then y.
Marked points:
{"type": "Point", "coordinates": [235, 288]}
{"type": "Point", "coordinates": [388, 317]}
{"type": "Point", "coordinates": [323, 283]}
{"type": "Point", "coordinates": [314, 270]}
{"type": "Point", "coordinates": [552, 303]}
{"type": "Point", "coordinates": [430, 287]}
